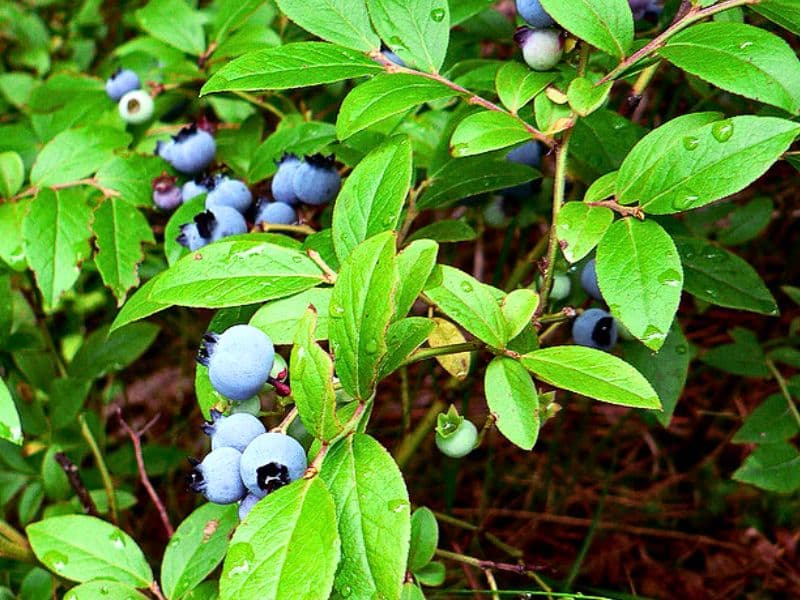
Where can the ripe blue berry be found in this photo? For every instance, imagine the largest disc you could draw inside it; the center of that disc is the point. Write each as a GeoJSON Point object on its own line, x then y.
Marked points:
{"type": "Point", "coordinates": [190, 151]}
{"type": "Point", "coordinates": [136, 107]}
{"type": "Point", "coordinates": [246, 505]}
{"type": "Point", "coordinates": [227, 221]}
{"type": "Point", "coordinates": [218, 476]}
{"type": "Point", "coordinates": [393, 57]}
{"type": "Point", "coordinates": [534, 14]}
{"type": "Point", "coordinates": [193, 188]}
{"type": "Point", "coordinates": [228, 192]}
{"type": "Point", "coordinates": [530, 154]}
{"type": "Point", "coordinates": [234, 431]}
{"type": "Point", "coordinates": [316, 181]}
{"type": "Point", "coordinates": [239, 361]}
{"type": "Point", "coordinates": [589, 280]}
{"type": "Point", "coordinates": [640, 8]}
{"type": "Point", "coordinates": [275, 213]}
{"type": "Point", "coordinates": [541, 48]}
{"type": "Point", "coordinates": [283, 180]}
{"type": "Point", "coordinates": [121, 82]}
{"type": "Point", "coordinates": [271, 461]}
{"type": "Point", "coordinates": [595, 328]}
{"type": "Point", "coordinates": [459, 442]}
{"type": "Point", "coordinates": [191, 238]}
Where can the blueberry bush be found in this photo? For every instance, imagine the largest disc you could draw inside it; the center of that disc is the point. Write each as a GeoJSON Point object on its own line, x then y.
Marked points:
{"type": "Point", "coordinates": [399, 236]}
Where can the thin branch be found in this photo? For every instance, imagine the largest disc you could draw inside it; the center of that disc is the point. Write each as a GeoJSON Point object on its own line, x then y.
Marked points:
{"type": "Point", "coordinates": [520, 569]}
{"type": "Point", "coordinates": [76, 483]}
{"type": "Point", "coordinates": [330, 274]}
{"type": "Point", "coordinates": [108, 485]}
{"type": "Point", "coordinates": [625, 211]}
{"type": "Point", "coordinates": [136, 440]}
{"type": "Point", "coordinates": [784, 389]}
{"type": "Point", "coordinates": [287, 421]}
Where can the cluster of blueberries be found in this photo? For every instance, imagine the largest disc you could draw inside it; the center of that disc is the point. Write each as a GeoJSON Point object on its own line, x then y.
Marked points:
{"type": "Point", "coordinates": [246, 462]}
{"type": "Point", "coordinates": [542, 44]}
{"type": "Point", "coordinates": [594, 327]}
{"type": "Point", "coordinates": [312, 180]}
{"type": "Point", "coordinates": [135, 105]}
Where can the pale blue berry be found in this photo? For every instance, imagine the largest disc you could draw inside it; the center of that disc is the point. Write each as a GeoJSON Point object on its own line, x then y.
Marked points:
{"type": "Point", "coordinates": [541, 48]}
{"type": "Point", "coordinates": [534, 14]}
{"type": "Point", "coordinates": [229, 192]}
{"type": "Point", "coordinates": [271, 461]}
{"type": "Point", "coordinates": [589, 280]}
{"type": "Point", "coordinates": [246, 505]}
{"type": "Point", "coordinates": [316, 181]}
{"type": "Point", "coordinates": [190, 151]}
{"type": "Point", "coordinates": [218, 477]}
{"type": "Point", "coordinates": [595, 328]}
{"type": "Point", "coordinates": [193, 188]}
{"type": "Point", "coordinates": [275, 213]}
{"type": "Point", "coordinates": [234, 431]}
{"type": "Point", "coordinates": [121, 82]}
{"type": "Point", "coordinates": [283, 180]}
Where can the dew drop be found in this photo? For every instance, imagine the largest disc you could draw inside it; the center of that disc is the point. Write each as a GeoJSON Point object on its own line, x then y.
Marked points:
{"type": "Point", "coordinates": [711, 292]}
{"type": "Point", "coordinates": [690, 142]}
{"type": "Point", "coordinates": [297, 259]}
{"type": "Point", "coordinates": [397, 505]}
{"type": "Point", "coordinates": [682, 203]}
{"type": "Point", "coordinates": [715, 254]}
{"type": "Point", "coordinates": [652, 333]}
{"type": "Point", "coordinates": [117, 540]}
{"type": "Point", "coordinates": [722, 130]}
{"type": "Point", "coordinates": [241, 556]}
{"type": "Point", "coordinates": [336, 310]}
{"type": "Point", "coordinates": [681, 349]}
{"type": "Point", "coordinates": [437, 14]}
{"type": "Point", "coordinates": [56, 560]}
{"type": "Point", "coordinates": [744, 45]}
{"type": "Point", "coordinates": [466, 286]}
{"type": "Point", "coordinates": [346, 591]}
{"type": "Point", "coordinates": [371, 347]}
{"type": "Point", "coordinates": [670, 277]}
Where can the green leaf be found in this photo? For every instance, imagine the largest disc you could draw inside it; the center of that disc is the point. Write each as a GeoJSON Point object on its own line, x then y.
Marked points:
{"type": "Point", "coordinates": [10, 428]}
{"type": "Point", "coordinates": [287, 536]}
{"type": "Point", "coordinates": [461, 10]}
{"type": "Point", "coordinates": [444, 232]}
{"type": "Point", "coordinates": [772, 422]}
{"type": "Point", "coordinates": [12, 173]}
{"type": "Point", "coordinates": [304, 138]}
{"type": "Point", "coordinates": [785, 13]}
{"type": "Point", "coordinates": [311, 373]}
{"type": "Point", "coordinates": [744, 357]}
{"type": "Point", "coordinates": [343, 22]}
{"type": "Point", "coordinates": [580, 228]}
{"type": "Point", "coordinates": [411, 592]}
{"type": "Point", "coordinates": [279, 318]}
{"type": "Point", "coordinates": [76, 153]}
{"type": "Point", "coordinates": [185, 213]}
{"type": "Point", "coordinates": [601, 188]}
{"type": "Point", "coordinates": [12, 216]}
{"type": "Point", "coordinates": [386, 96]}
{"type": "Point", "coordinates": [701, 164]}
{"type": "Point", "coordinates": [175, 23]}
{"type": "Point", "coordinates": [608, 25]}
{"type": "Point", "coordinates": [640, 275]}
{"type": "Point", "coordinates": [139, 306]}
{"type": "Point", "coordinates": [233, 272]}
{"type": "Point", "coordinates": [300, 64]}
{"type": "Point", "coordinates": [80, 548]}
{"type": "Point", "coordinates": [584, 97]}
{"type": "Point", "coordinates": [424, 538]}
{"type": "Point", "coordinates": [418, 31]}
{"type": "Point", "coordinates": [372, 197]}
{"type": "Point", "coordinates": [512, 399]}
{"type": "Point", "coordinates": [464, 177]}
{"type": "Point", "coordinates": [432, 574]}
{"type": "Point", "coordinates": [469, 303]}
{"type": "Point", "coordinates": [745, 223]}
{"type": "Point", "coordinates": [518, 308]}
{"type": "Point", "coordinates": [132, 177]}
{"type": "Point", "coordinates": [414, 265]}
{"type": "Point", "coordinates": [361, 308]}
{"type": "Point", "coordinates": [666, 370]}
{"type": "Point", "coordinates": [772, 467]}
{"type": "Point", "coordinates": [56, 238]}
{"type": "Point", "coordinates": [232, 15]}
{"type": "Point", "coordinates": [101, 589]}
{"type": "Point", "coordinates": [121, 230]}
{"type": "Point", "coordinates": [486, 131]}
{"type": "Point", "coordinates": [720, 277]}
{"type": "Point", "coordinates": [402, 338]}
{"type": "Point", "coordinates": [592, 373]}
{"type": "Point", "coordinates": [517, 84]}
{"type": "Point", "coordinates": [374, 517]}
{"type": "Point", "coordinates": [741, 59]}
{"type": "Point", "coordinates": [600, 142]}
{"type": "Point", "coordinates": [104, 351]}
{"type": "Point", "coordinates": [198, 546]}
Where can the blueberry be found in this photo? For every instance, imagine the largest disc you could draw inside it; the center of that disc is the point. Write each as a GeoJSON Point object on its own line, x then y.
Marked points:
{"type": "Point", "coordinates": [246, 505]}
{"type": "Point", "coordinates": [534, 14]}
{"type": "Point", "coordinates": [193, 188]}
{"type": "Point", "coordinates": [316, 181]}
{"type": "Point", "coordinates": [271, 461]}
{"type": "Point", "coordinates": [459, 442]}
{"type": "Point", "coordinates": [136, 107]}
{"type": "Point", "coordinates": [589, 280]}
{"type": "Point", "coordinates": [529, 154]}
{"type": "Point", "coordinates": [640, 7]}
{"type": "Point", "coordinates": [190, 151]}
{"type": "Point", "coordinates": [229, 192]}
{"type": "Point", "coordinates": [283, 180]}
{"type": "Point", "coordinates": [218, 476]}
{"type": "Point", "coordinates": [393, 57]}
{"type": "Point", "coordinates": [210, 226]}
{"type": "Point", "coordinates": [239, 361]}
{"type": "Point", "coordinates": [121, 82]}
{"type": "Point", "coordinates": [275, 213]}
{"type": "Point", "coordinates": [494, 215]}
{"type": "Point", "coordinates": [541, 48]}
{"type": "Point", "coordinates": [227, 221]}
{"type": "Point", "coordinates": [190, 237]}
{"type": "Point", "coordinates": [166, 195]}
{"type": "Point", "coordinates": [595, 328]}
{"type": "Point", "coordinates": [234, 431]}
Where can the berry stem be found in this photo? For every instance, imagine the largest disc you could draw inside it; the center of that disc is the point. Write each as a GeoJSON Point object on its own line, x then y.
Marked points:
{"type": "Point", "coordinates": [330, 274]}
{"type": "Point", "coordinates": [287, 421]}
{"type": "Point", "coordinates": [108, 485]}
{"type": "Point", "coordinates": [520, 569]}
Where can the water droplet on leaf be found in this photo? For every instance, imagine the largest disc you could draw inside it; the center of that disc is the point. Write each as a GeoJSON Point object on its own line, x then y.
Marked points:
{"type": "Point", "coordinates": [437, 14]}
{"type": "Point", "coordinates": [722, 130]}
{"type": "Point", "coordinates": [690, 142]}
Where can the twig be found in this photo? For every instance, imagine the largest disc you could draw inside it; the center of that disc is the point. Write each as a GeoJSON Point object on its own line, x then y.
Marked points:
{"type": "Point", "coordinates": [76, 483]}
{"type": "Point", "coordinates": [284, 425]}
{"type": "Point", "coordinates": [108, 485]}
{"type": "Point", "coordinates": [625, 211]}
{"type": "Point", "coordinates": [330, 274]}
{"type": "Point", "coordinates": [520, 569]}
{"type": "Point", "coordinates": [426, 353]}
{"type": "Point", "coordinates": [405, 450]}
{"type": "Point", "coordinates": [784, 389]}
{"type": "Point", "coordinates": [90, 181]}
{"type": "Point", "coordinates": [136, 439]}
